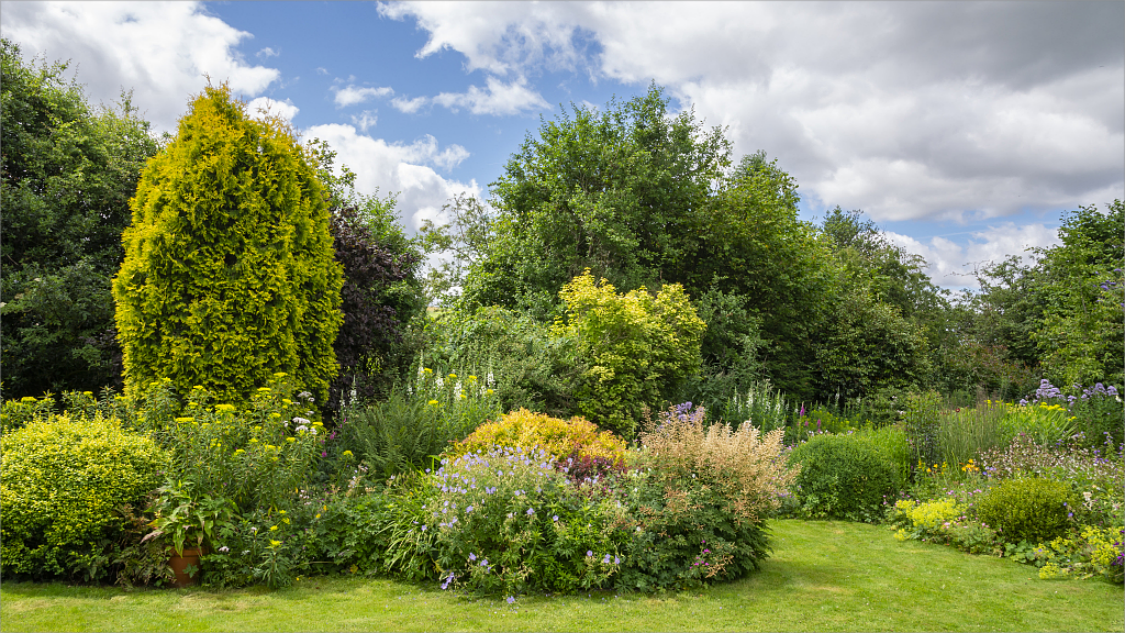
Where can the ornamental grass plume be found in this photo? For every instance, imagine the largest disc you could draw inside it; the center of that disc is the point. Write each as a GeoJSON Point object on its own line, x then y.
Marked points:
{"type": "Point", "coordinates": [748, 466]}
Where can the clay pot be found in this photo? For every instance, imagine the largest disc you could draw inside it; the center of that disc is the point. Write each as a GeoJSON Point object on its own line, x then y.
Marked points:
{"type": "Point", "coordinates": [179, 565]}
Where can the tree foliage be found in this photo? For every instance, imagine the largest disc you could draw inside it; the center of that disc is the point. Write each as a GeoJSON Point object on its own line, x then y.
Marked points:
{"type": "Point", "coordinates": [229, 274]}
{"type": "Point", "coordinates": [636, 347]}
{"type": "Point", "coordinates": [68, 171]}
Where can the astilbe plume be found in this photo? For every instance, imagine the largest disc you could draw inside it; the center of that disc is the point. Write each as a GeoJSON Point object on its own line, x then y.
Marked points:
{"type": "Point", "coordinates": [747, 465]}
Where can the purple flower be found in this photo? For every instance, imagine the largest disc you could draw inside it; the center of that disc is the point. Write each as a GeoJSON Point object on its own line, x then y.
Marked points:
{"type": "Point", "coordinates": [555, 518]}
{"type": "Point", "coordinates": [589, 553]}
{"type": "Point", "coordinates": [511, 600]}
{"type": "Point", "coordinates": [530, 511]}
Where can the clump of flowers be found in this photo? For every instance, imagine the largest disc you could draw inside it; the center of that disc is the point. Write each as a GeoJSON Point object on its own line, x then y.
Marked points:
{"type": "Point", "coordinates": [507, 521]}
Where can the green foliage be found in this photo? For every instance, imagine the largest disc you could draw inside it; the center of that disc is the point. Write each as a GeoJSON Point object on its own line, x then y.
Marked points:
{"type": "Point", "coordinates": [228, 274]}
{"type": "Point", "coordinates": [637, 347]}
{"type": "Point", "coordinates": [612, 190]}
{"type": "Point", "coordinates": [868, 344]}
{"type": "Point", "coordinates": [532, 368]}
{"type": "Point", "coordinates": [382, 294]}
{"type": "Point", "coordinates": [63, 481]}
{"type": "Point", "coordinates": [66, 176]}
{"type": "Point", "coordinates": [844, 477]}
{"type": "Point", "coordinates": [1029, 509]}
{"type": "Point", "coordinates": [1078, 341]}
{"type": "Point", "coordinates": [963, 435]}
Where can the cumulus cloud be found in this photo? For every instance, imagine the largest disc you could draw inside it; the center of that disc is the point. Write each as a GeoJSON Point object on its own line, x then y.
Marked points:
{"type": "Point", "coordinates": [267, 53]}
{"type": "Point", "coordinates": [409, 106]}
{"type": "Point", "coordinates": [952, 265]}
{"type": "Point", "coordinates": [398, 167]}
{"type": "Point", "coordinates": [160, 50]}
{"type": "Point", "coordinates": [931, 111]}
{"type": "Point", "coordinates": [498, 99]}
{"type": "Point", "coordinates": [365, 120]}
{"type": "Point", "coordinates": [351, 95]}
{"type": "Point", "coordinates": [262, 107]}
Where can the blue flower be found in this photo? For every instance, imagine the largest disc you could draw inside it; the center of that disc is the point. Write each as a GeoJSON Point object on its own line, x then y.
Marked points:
{"type": "Point", "coordinates": [530, 511]}
{"type": "Point", "coordinates": [589, 553]}
{"type": "Point", "coordinates": [511, 600]}
{"type": "Point", "coordinates": [472, 556]}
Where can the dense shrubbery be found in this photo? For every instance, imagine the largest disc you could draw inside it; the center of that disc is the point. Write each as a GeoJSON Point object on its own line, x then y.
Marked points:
{"type": "Point", "coordinates": [575, 438]}
{"type": "Point", "coordinates": [66, 480]}
{"type": "Point", "coordinates": [1034, 510]}
{"type": "Point", "coordinates": [844, 477]}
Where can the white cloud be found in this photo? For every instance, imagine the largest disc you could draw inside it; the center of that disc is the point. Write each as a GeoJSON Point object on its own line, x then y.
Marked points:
{"type": "Point", "coordinates": [952, 265]}
{"type": "Point", "coordinates": [267, 53]}
{"type": "Point", "coordinates": [498, 99]}
{"type": "Point", "coordinates": [352, 95]}
{"type": "Point", "coordinates": [160, 50]}
{"type": "Point", "coordinates": [264, 106]}
{"type": "Point", "coordinates": [939, 111]}
{"type": "Point", "coordinates": [365, 120]}
{"type": "Point", "coordinates": [321, 71]}
{"type": "Point", "coordinates": [409, 106]}
{"type": "Point", "coordinates": [397, 167]}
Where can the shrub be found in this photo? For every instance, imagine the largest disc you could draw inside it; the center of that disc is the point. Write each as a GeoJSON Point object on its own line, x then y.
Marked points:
{"type": "Point", "coordinates": [1031, 509]}
{"type": "Point", "coordinates": [843, 477]}
{"type": "Point", "coordinates": [63, 481]}
{"type": "Point", "coordinates": [228, 274]}
{"type": "Point", "coordinates": [638, 347]}
{"type": "Point", "coordinates": [698, 500]}
{"type": "Point", "coordinates": [575, 438]}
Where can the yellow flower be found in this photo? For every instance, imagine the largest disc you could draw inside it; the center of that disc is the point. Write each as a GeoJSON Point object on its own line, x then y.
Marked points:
{"type": "Point", "coordinates": [186, 419]}
{"type": "Point", "coordinates": [433, 402]}
{"type": "Point", "coordinates": [452, 375]}
{"type": "Point", "coordinates": [472, 378]}
{"type": "Point", "coordinates": [274, 543]}
{"type": "Point", "coordinates": [289, 439]}
{"type": "Point", "coordinates": [275, 415]}
{"type": "Point", "coordinates": [87, 393]}
{"type": "Point", "coordinates": [239, 452]}
{"type": "Point", "coordinates": [427, 370]}
{"type": "Point", "coordinates": [285, 521]}
{"type": "Point", "coordinates": [280, 374]}
{"type": "Point", "coordinates": [273, 528]}
{"type": "Point", "coordinates": [317, 516]}
{"type": "Point", "coordinates": [287, 401]}
{"type": "Point", "coordinates": [281, 512]}
{"type": "Point", "coordinates": [224, 407]}
{"type": "Point", "coordinates": [463, 395]}
{"type": "Point", "coordinates": [200, 387]}
{"type": "Point", "coordinates": [253, 440]}
{"type": "Point", "coordinates": [27, 399]}
{"type": "Point", "coordinates": [347, 453]}
{"type": "Point", "coordinates": [489, 392]}
{"type": "Point", "coordinates": [265, 389]}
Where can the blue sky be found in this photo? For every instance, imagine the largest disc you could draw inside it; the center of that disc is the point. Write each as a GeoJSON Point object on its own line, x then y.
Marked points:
{"type": "Point", "coordinates": [964, 129]}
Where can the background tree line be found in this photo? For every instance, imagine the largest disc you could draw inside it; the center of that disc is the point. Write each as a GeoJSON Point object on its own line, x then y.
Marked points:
{"type": "Point", "coordinates": [636, 195]}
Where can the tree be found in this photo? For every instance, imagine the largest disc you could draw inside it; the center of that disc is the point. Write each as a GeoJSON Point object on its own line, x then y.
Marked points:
{"type": "Point", "coordinates": [382, 294]}
{"type": "Point", "coordinates": [66, 176]}
{"type": "Point", "coordinates": [229, 275]}
{"type": "Point", "coordinates": [613, 191]}
{"type": "Point", "coordinates": [636, 347]}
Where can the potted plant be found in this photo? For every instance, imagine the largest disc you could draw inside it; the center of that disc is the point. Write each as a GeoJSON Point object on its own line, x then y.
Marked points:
{"type": "Point", "coordinates": [187, 518]}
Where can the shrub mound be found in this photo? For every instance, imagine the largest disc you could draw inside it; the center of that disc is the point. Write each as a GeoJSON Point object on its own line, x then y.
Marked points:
{"type": "Point", "coordinates": [1030, 509]}
{"type": "Point", "coordinates": [574, 438]}
{"type": "Point", "coordinates": [61, 483]}
{"type": "Point", "coordinates": [843, 477]}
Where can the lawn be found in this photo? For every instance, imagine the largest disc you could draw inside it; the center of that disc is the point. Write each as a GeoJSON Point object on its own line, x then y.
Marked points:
{"type": "Point", "coordinates": [823, 576]}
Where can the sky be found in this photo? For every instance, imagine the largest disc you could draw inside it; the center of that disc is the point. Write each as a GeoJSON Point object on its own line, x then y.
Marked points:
{"type": "Point", "coordinates": [965, 130]}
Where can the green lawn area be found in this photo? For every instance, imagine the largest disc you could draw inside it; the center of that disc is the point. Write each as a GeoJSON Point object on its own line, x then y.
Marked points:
{"type": "Point", "coordinates": [823, 576]}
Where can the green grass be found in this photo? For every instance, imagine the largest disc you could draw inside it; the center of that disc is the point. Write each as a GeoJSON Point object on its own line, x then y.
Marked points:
{"type": "Point", "coordinates": [823, 576]}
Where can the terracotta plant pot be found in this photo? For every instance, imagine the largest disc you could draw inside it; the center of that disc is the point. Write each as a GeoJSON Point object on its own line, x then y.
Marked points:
{"type": "Point", "coordinates": [179, 566]}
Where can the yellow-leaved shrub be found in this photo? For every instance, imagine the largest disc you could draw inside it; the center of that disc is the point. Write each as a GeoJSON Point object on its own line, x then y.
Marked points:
{"type": "Point", "coordinates": [61, 481]}
{"type": "Point", "coordinates": [576, 437]}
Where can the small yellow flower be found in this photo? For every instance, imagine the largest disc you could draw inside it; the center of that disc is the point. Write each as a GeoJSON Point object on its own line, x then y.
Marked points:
{"type": "Point", "coordinates": [317, 516]}
{"type": "Point", "coordinates": [427, 370]}
{"type": "Point", "coordinates": [275, 415]}
{"type": "Point", "coordinates": [224, 407]}
{"type": "Point", "coordinates": [274, 543]}
{"type": "Point", "coordinates": [253, 440]}
{"type": "Point", "coordinates": [200, 387]}
{"type": "Point", "coordinates": [290, 439]}
{"type": "Point", "coordinates": [452, 375]}
{"type": "Point", "coordinates": [287, 401]}
{"type": "Point", "coordinates": [346, 454]}
{"type": "Point", "coordinates": [280, 374]}
{"type": "Point", "coordinates": [433, 402]}
{"type": "Point", "coordinates": [285, 520]}
{"type": "Point", "coordinates": [273, 528]}
{"type": "Point", "coordinates": [239, 452]}
{"type": "Point", "coordinates": [27, 399]}
{"type": "Point", "coordinates": [472, 378]}
{"type": "Point", "coordinates": [489, 392]}
{"type": "Point", "coordinates": [264, 389]}
{"type": "Point", "coordinates": [463, 395]}
{"type": "Point", "coordinates": [185, 419]}
{"type": "Point", "coordinates": [87, 393]}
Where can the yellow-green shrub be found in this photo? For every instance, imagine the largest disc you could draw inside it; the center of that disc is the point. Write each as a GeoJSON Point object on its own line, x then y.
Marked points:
{"type": "Point", "coordinates": [228, 274]}
{"type": "Point", "coordinates": [61, 481]}
{"type": "Point", "coordinates": [927, 516]}
{"type": "Point", "coordinates": [638, 347]}
{"type": "Point", "coordinates": [576, 437]}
